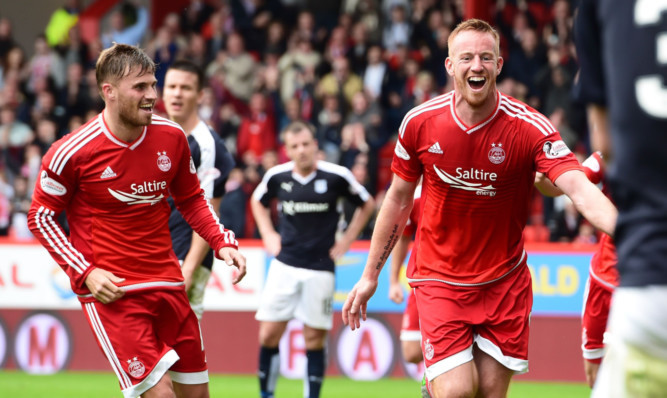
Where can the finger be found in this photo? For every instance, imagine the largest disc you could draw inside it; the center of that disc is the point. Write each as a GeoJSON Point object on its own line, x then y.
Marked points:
{"type": "Point", "coordinates": [363, 310]}
{"type": "Point", "coordinates": [239, 275]}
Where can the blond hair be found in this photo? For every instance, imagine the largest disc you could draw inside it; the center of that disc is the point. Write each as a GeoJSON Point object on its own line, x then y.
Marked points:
{"type": "Point", "coordinates": [476, 25]}
{"type": "Point", "coordinates": [117, 61]}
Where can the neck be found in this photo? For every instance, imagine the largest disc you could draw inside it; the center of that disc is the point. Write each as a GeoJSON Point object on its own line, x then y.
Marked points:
{"type": "Point", "coordinates": [470, 114]}
{"type": "Point", "coordinates": [121, 129]}
{"type": "Point", "coordinates": [304, 171]}
{"type": "Point", "coordinates": [188, 123]}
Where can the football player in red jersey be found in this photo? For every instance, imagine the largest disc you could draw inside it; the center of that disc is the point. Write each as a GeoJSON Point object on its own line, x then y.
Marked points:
{"type": "Point", "coordinates": [112, 176]}
{"type": "Point", "coordinates": [478, 151]}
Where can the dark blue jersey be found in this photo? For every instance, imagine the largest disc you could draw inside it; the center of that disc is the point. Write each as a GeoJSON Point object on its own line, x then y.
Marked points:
{"type": "Point", "coordinates": [623, 59]}
{"type": "Point", "coordinates": [310, 209]}
{"type": "Point", "coordinates": [213, 163]}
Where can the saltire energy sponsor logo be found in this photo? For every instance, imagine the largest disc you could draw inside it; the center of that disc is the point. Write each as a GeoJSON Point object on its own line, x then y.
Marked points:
{"type": "Point", "coordinates": [136, 197]}
{"type": "Point", "coordinates": [472, 173]}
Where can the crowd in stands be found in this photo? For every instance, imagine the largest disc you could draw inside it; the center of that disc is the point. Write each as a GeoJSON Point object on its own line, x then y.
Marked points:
{"type": "Point", "coordinates": [352, 70]}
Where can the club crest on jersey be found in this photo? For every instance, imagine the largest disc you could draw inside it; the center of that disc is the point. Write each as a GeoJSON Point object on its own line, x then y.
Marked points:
{"type": "Point", "coordinates": [497, 153]}
{"type": "Point", "coordinates": [163, 161]}
{"type": "Point", "coordinates": [428, 350]}
{"type": "Point", "coordinates": [320, 186]}
{"type": "Point", "coordinates": [51, 186]}
{"type": "Point", "coordinates": [135, 368]}
{"type": "Point", "coordinates": [554, 150]}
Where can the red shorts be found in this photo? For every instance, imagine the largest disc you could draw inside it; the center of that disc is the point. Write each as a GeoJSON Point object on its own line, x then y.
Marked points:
{"type": "Point", "coordinates": [494, 316]}
{"type": "Point", "coordinates": [597, 299]}
{"type": "Point", "coordinates": [410, 325]}
{"type": "Point", "coordinates": [145, 335]}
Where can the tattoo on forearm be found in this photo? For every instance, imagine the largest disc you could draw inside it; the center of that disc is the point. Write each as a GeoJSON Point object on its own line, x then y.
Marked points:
{"type": "Point", "coordinates": [391, 242]}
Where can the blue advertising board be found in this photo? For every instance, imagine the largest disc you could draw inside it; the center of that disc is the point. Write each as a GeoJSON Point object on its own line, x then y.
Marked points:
{"type": "Point", "coordinates": [559, 280]}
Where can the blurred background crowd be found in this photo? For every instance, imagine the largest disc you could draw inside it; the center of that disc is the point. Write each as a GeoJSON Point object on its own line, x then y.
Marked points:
{"type": "Point", "coordinates": [352, 68]}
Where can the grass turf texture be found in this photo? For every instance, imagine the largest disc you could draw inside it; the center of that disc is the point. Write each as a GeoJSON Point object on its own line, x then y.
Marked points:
{"type": "Point", "coordinates": [105, 385]}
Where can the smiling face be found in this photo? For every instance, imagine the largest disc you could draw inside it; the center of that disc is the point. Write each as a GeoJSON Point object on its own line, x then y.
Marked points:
{"type": "Point", "coordinates": [181, 95]}
{"type": "Point", "coordinates": [133, 96]}
{"type": "Point", "coordinates": [475, 64]}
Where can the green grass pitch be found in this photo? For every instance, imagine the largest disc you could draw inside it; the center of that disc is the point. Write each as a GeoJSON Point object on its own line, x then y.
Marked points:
{"type": "Point", "coordinates": [105, 385]}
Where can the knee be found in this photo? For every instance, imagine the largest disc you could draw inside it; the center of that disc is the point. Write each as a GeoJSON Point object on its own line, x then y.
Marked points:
{"type": "Point", "coordinates": [269, 337]}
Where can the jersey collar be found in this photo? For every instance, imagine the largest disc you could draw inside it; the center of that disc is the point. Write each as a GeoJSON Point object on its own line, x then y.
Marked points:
{"type": "Point", "coordinates": [472, 129]}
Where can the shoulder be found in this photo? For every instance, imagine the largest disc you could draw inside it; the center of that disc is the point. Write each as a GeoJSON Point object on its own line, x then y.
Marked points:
{"type": "Point", "coordinates": [79, 143]}
{"type": "Point", "coordinates": [434, 107]}
{"type": "Point", "coordinates": [524, 116]}
{"type": "Point", "coordinates": [166, 125]}
{"type": "Point", "coordinates": [279, 170]}
{"type": "Point", "coordinates": [333, 169]}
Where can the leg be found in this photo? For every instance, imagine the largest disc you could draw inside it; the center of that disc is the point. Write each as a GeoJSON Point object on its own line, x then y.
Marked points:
{"type": "Point", "coordinates": [494, 378]}
{"type": "Point", "coordinates": [459, 382]}
{"type": "Point", "coordinates": [191, 390]}
{"type": "Point", "coordinates": [269, 357]}
{"type": "Point", "coordinates": [315, 340]}
{"type": "Point", "coordinates": [163, 389]}
{"type": "Point", "coordinates": [412, 351]}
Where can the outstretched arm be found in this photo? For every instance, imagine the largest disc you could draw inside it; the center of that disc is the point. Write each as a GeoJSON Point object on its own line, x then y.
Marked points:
{"type": "Point", "coordinates": [589, 200]}
{"type": "Point", "coordinates": [389, 226]}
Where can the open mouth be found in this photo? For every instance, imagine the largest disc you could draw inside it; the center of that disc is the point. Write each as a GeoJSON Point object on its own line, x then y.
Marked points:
{"type": "Point", "coordinates": [146, 107]}
{"type": "Point", "coordinates": [476, 82]}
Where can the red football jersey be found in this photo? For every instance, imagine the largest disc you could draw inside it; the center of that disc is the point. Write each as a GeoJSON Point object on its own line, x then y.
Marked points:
{"type": "Point", "coordinates": [115, 197]}
{"type": "Point", "coordinates": [476, 187]}
{"type": "Point", "coordinates": [603, 263]}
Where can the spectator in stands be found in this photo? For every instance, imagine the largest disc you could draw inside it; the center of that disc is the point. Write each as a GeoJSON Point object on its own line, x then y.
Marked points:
{"type": "Point", "coordinates": [239, 68]}
{"type": "Point", "coordinates": [397, 32]}
{"type": "Point", "coordinates": [6, 195]}
{"type": "Point", "coordinates": [45, 63]}
{"type": "Point", "coordinates": [299, 58]}
{"type": "Point", "coordinates": [375, 72]}
{"type": "Point", "coordinates": [257, 132]}
{"type": "Point", "coordinates": [195, 15]}
{"type": "Point", "coordinates": [20, 204]}
{"type": "Point", "coordinates": [7, 41]}
{"type": "Point", "coordinates": [61, 21]}
{"type": "Point", "coordinates": [14, 136]}
{"type": "Point", "coordinates": [566, 222]}
{"type": "Point", "coordinates": [329, 123]}
{"type": "Point", "coordinates": [341, 81]}
{"type": "Point", "coordinates": [359, 47]}
{"type": "Point", "coordinates": [122, 33]}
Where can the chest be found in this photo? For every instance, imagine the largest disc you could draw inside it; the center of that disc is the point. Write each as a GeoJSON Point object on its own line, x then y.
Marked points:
{"type": "Point", "coordinates": [117, 178]}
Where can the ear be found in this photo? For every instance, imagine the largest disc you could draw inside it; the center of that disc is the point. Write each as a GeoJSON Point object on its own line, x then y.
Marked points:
{"type": "Point", "coordinates": [449, 66]}
{"type": "Point", "coordinates": [108, 91]}
{"type": "Point", "coordinates": [499, 67]}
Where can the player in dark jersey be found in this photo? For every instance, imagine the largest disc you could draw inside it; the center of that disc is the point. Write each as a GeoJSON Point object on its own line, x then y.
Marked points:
{"type": "Point", "coordinates": [184, 82]}
{"type": "Point", "coordinates": [477, 150]}
{"type": "Point", "coordinates": [112, 176]}
{"type": "Point", "coordinates": [300, 282]}
{"type": "Point", "coordinates": [623, 67]}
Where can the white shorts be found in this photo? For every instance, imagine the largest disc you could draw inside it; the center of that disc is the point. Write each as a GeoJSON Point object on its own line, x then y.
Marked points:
{"type": "Point", "coordinates": [292, 292]}
{"type": "Point", "coordinates": [636, 361]}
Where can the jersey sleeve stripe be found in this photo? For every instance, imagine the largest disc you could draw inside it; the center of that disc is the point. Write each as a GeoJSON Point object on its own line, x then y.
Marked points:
{"type": "Point", "coordinates": [435, 103]}
{"type": "Point", "coordinates": [53, 234]}
{"type": "Point", "coordinates": [72, 145]}
{"type": "Point", "coordinates": [159, 120]}
{"type": "Point", "coordinates": [517, 110]}
{"type": "Point", "coordinates": [109, 352]}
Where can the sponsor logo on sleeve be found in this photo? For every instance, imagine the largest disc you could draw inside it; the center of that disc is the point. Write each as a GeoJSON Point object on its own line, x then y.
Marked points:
{"type": "Point", "coordinates": [555, 150]}
{"type": "Point", "coordinates": [401, 152]}
{"type": "Point", "coordinates": [193, 169]}
{"type": "Point", "coordinates": [51, 186]}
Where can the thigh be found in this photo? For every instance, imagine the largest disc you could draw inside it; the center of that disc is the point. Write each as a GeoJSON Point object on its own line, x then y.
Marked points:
{"type": "Point", "coordinates": [315, 306]}
{"type": "Point", "coordinates": [126, 334]}
{"type": "Point", "coordinates": [178, 327]}
{"type": "Point", "coordinates": [504, 330]}
{"type": "Point", "coordinates": [280, 294]}
{"type": "Point", "coordinates": [446, 327]}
